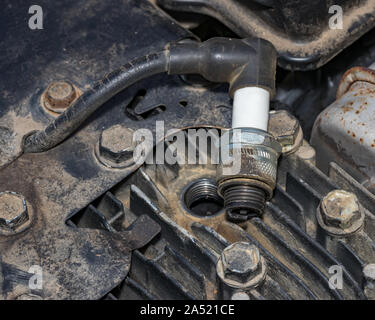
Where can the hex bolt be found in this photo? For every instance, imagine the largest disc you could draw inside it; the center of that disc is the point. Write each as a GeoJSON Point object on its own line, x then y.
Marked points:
{"type": "Point", "coordinates": [340, 208]}
{"type": "Point", "coordinates": [116, 146]}
{"type": "Point", "coordinates": [240, 261]}
{"type": "Point", "coordinates": [59, 96]}
{"type": "Point", "coordinates": [241, 265]}
{"type": "Point", "coordinates": [13, 211]}
{"type": "Point", "coordinates": [340, 213]}
{"type": "Point", "coordinates": [286, 130]}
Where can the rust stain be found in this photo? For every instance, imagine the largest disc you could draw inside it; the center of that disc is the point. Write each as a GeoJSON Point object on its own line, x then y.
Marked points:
{"type": "Point", "coordinates": [353, 75]}
{"type": "Point", "coordinates": [346, 109]}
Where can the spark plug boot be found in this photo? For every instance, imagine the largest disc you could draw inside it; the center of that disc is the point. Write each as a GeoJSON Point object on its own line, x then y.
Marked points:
{"type": "Point", "coordinates": [242, 63]}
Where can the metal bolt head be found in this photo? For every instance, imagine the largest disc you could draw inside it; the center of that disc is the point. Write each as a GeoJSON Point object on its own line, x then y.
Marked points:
{"type": "Point", "coordinates": [340, 209]}
{"type": "Point", "coordinates": [116, 144]}
{"type": "Point", "coordinates": [284, 127]}
{"type": "Point", "coordinates": [286, 130]}
{"type": "Point", "coordinates": [13, 211]}
{"type": "Point", "coordinates": [240, 261]}
{"type": "Point", "coordinates": [59, 96]}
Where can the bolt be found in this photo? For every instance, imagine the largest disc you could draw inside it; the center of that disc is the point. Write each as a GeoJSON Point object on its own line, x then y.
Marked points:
{"type": "Point", "coordinates": [340, 213]}
{"type": "Point", "coordinates": [59, 96]}
{"type": "Point", "coordinates": [340, 209]}
{"type": "Point", "coordinates": [116, 144]}
{"type": "Point", "coordinates": [240, 261]}
{"type": "Point", "coordinates": [286, 130]}
{"type": "Point", "coordinates": [13, 211]}
{"type": "Point", "coordinates": [241, 265]}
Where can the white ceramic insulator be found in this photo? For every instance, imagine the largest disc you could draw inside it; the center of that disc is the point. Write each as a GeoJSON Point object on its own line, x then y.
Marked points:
{"type": "Point", "coordinates": [250, 108]}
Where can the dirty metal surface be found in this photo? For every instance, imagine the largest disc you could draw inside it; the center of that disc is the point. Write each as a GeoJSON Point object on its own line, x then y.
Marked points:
{"type": "Point", "coordinates": [299, 30]}
{"type": "Point", "coordinates": [139, 240]}
{"type": "Point", "coordinates": [81, 42]}
{"type": "Point", "coordinates": [344, 132]}
{"type": "Point", "coordinates": [181, 262]}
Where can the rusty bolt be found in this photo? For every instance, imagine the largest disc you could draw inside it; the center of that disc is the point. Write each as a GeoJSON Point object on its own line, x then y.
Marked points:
{"type": "Point", "coordinates": [340, 213]}
{"type": "Point", "coordinates": [241, 265]}
{"type": "Point", "coordinates": [340, 209]}
{"type": "Point", "coordinates": [284, 127]}
{"type": "Point", "coordinates": [59, 96]}
{"type": "Point", "coordinates": [240, 261]}
{"type": "Point", "coordinates": [116, 144]}
{"type": "Point", "coordinates": [13, 211]}
{"type": "Point", "coordinates": [286, 130]}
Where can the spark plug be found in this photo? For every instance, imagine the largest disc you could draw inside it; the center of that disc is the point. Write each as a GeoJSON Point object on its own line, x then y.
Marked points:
{"type": "Point", "coordinates": [249, 66]}
{"type": "Point", "coordinates": [250, 178]}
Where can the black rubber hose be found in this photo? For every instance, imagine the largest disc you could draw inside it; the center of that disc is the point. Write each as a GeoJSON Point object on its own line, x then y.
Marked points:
{"type": "Point", "coordinates": [241, 63]}
{"type": "Point", "coordinates": [91, 100]}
